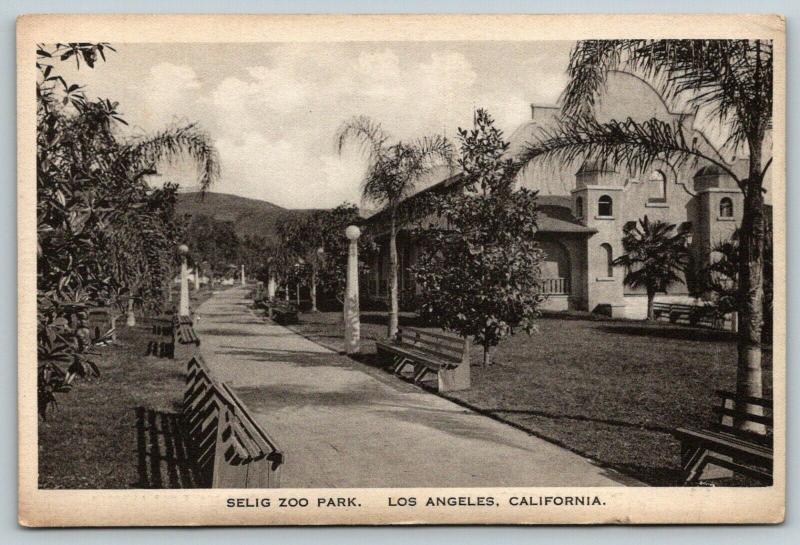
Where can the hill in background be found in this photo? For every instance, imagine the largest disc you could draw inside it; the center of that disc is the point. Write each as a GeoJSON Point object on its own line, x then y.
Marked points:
{"type": "Point", "coordinates": [249, 216]}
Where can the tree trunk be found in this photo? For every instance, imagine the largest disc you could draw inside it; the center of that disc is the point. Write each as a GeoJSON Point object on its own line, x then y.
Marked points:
{"type": "Point", "coordinates": [314, 289]}
{"type": "Point", "coordinates": [393, 296]}
{"type": "Point", "coordinates": [488, 354]}
{"type": "Point", "coordinates": [751, 292]}
{"type": "Point", "coordinates": [297, 294]}
{"type": "Point", "coordinates": [286, 293]}
{"type": "Point", "coordinates": [651, 296]}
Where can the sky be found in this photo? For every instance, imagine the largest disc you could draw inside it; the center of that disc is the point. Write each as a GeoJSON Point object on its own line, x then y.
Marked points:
{"type": "Point", "coordinates": [273, 109]}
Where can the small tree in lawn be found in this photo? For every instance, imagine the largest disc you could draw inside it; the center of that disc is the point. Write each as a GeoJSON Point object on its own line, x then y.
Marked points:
{"type": "Point", "coordinates": [655, 256]}
{"type": "Point", "coordinates": [480, 271]}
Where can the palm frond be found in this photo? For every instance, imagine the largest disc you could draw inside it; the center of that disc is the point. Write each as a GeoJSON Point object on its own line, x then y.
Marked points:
{"type": "Point", "coordinates": [170, 144]}
{"type": "Point", "coordinates": [394, 170]}
{"type": "Point", "coordinates": [435, 151]}
{"type": "Point", "coordinates": [730, 79]}
{"type": "Point", "coordinates": [637, 146]}
{"type": "Point", "coordinates": [655, 253]}
{"type": "Point", "coordinates": [589, 65]}
{"type": "Point", "coordinates": [365, 132]}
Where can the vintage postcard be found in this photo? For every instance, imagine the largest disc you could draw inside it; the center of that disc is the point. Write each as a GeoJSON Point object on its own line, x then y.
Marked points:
{"type": "Point", "coordinates": [417, 269]}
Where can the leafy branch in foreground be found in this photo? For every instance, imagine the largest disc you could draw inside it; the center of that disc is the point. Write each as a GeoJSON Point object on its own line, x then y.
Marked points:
{"type": "Point", "coordinates": [105, 237]}
{"type": "Point", "coordinates": [635, 145]}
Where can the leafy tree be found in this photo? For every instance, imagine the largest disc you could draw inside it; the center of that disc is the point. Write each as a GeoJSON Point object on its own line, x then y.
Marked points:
{"type": "Point", "coordinates": [253, 253]}
{"type": "Point", "coordinates": [93, 195]}
{"type": "Point", "coordinates": [105, 237]}
{"type": "Point", "coordinates": [213, 243]}
{"type": "Point", "coordinates": [313, 250]}
{"type": "Point", "coordinates": [655, 257]}
{"type": "Point", "coordinates": [286, 260]}
{"type": "Point", "coordinates": [729, 81]}
{"type": "Point", "coordinates": [392, 175]}
{"type": "Point", "coordinates": [479, 272]}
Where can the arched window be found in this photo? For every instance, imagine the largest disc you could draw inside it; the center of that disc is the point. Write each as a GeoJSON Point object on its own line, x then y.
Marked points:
{"type": "Point", "coordinates": [725, 207]}
{"type": "Point", "coordinates": [609, 255]}
{"type": "Point", "coordinates": [579, 207]}
{"type": "Point", "coordinates": [657, 187]}
{"type": "Point", "coordinates": [605, 206]}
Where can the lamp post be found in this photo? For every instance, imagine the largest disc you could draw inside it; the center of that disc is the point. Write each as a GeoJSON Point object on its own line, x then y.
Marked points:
{"type": "Point", "coordinates": [183, 307]}
{"type": "Point", "coordinates": [297, 267]}
{"type": "Point", "coordinates": [352, 324]}
{"type": "Point", "coordinates": [320, 253]}
{"type": "Point", "coordinates": [130, 319]}
{"type": "Point", "coordinates": [271, 283]}
{"type": "Point", "coordinates": [196, 277]}
{"type": "Point", "coordinates": [210, 278]}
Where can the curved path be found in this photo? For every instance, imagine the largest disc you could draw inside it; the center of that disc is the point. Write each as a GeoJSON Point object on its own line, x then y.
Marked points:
{"type": "Point", "coordinates": [343, 424]}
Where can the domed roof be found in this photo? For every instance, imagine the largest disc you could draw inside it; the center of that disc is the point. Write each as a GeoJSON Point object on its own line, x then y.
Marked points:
{"type": "Point", "coordinates": [710, 170]}
{"type": "Point", "coordinates": [523, 136]}
{"type": "Point", "coordinates": [594, 166]}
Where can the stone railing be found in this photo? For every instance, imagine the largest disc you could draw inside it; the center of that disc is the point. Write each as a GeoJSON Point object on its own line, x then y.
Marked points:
{"type": "Point", "coordinates": [555, 286]}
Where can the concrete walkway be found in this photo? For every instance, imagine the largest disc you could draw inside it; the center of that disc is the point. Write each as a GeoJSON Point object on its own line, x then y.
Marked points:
{"type": "Point", "coordinates": [343, 424]}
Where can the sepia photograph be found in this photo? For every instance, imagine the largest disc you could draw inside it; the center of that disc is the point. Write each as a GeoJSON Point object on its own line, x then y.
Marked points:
{"type": "Point", "coordinates": [440, 266]}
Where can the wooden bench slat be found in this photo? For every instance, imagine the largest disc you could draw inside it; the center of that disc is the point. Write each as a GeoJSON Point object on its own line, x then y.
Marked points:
{"type": "Point", "coordinates": [763, 402]}
{"type": "Point", "coordinates": [247, 421]}
{"type": "Point", "coordinates": [442, 336]}
{"type": "Point", "coordinates": [433, 347]}
{"type": "Point", "coordinates": [423, 357]}
{"type": "Point", "coordinates": [763, 440]}
{"type": "Point", "coordinates": [754, 472]}
{"type": "Point", "coordinates": [732, 437]}
{"type": "Point", "coordinates": [700, 448]}
{"type": "Point", "coordinates": [726, 445]}
{"type": "Point", "coordinates": [223, 432]}
{"type": "Point", "coordinates": [456, 349]}
{"type": "Point", "coordinates": [759, 419]}
{"type": "Point", "coordinates": [429, 352]}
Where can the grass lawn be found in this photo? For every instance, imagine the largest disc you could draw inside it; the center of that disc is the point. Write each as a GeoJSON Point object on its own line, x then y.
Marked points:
{"type": "Point", "coordinates": [121, 429]}
{"type": "Point", "coordinates": [611, 390]}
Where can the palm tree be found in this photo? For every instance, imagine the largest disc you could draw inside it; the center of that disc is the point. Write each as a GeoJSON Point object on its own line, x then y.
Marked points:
{"type": "Point", "coordinates": [730, 82]}
{"type": "Point", "coordinates": [173, 143]}
{"type": "Point", "coordinates": [655, 256]}
{"type": "Point", "coordinates": [392, 174]}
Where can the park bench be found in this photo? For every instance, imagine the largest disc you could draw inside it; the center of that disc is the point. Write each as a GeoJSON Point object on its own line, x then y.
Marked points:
{"type": "Point", "coordinates": [423, 352]}
{"type": "Point", "coordinates": [282, 312]}
{"type": "Point", "coordinates": [162, 343]}
{"type": "Point", "coordinates": [724, 445]}
{"type": "Point", "coordinates": [185, 329]}
{"type": "Point", "coordinates": [102, 323]}
{"type": "Point", "coordinates": [686, 315]}
{"type": "Point", "coordinates": [228, 448]}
